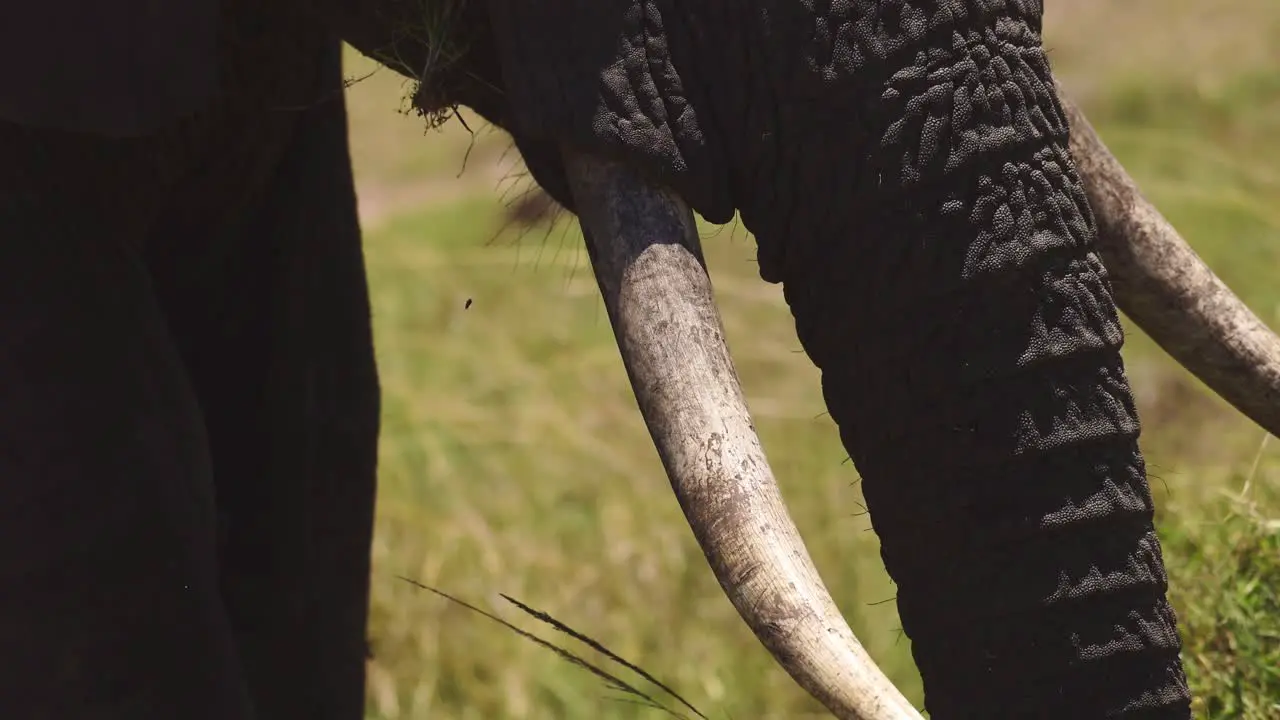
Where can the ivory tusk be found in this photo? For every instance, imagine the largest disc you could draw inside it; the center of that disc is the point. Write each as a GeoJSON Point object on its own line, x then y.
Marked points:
{"type": "Point", "coordinates": [647, 258]}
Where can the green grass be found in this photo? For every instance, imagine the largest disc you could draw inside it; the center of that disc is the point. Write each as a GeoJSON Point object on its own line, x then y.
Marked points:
{"type": "Point", "coordinates": [514, 461]}
{"type": "Point", "coordinates": [1224, 560]}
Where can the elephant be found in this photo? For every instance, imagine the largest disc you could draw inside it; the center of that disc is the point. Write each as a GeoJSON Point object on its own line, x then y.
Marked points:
{"type": "Point", "coordinates": [189, 397]}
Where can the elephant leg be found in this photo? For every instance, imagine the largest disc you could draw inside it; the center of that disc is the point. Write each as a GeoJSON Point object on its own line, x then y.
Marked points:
{"type": "Point", "coordinates": [270, 311]}
{"type": "Point", "coordinates": [109, 605]}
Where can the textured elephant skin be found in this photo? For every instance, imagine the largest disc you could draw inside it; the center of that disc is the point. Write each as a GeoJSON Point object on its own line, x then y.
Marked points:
{"type": "Point", "coordinates": [904, 168]}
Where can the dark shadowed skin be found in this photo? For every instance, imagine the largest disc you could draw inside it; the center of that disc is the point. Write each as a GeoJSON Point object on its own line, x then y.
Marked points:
{"type": "Point", "coordinates": [188, 400]}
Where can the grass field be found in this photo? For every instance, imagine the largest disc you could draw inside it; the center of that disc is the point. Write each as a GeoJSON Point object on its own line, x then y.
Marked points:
{"type": "Point", "coordinates": [514, 461]}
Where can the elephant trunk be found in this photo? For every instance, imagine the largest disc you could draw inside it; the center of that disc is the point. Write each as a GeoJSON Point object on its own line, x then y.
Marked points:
{"type": "Point", "coordinates": [1162, 284]}
{"type": "Point", "coordinates": [648, 261]}
{"type": "Point", "coordinates": [969, 348]}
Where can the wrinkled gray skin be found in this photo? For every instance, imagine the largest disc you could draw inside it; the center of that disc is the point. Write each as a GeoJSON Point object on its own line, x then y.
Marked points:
{"type": "Point", "coordinates": [188, 398]}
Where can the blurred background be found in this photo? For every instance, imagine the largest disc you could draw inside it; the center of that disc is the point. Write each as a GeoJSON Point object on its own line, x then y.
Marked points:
{"type": "Point", "coordinates": [514, 460]}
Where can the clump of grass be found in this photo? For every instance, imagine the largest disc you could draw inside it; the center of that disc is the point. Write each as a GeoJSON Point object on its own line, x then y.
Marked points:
{"type": "Point", "coordinates": [430, 45]}
{"type": "Point", "coordinates": [1224, 573]}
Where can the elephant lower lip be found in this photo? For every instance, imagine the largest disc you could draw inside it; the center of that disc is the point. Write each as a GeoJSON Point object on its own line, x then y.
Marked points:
{"type": "Point", "coordinates": [646, 256]}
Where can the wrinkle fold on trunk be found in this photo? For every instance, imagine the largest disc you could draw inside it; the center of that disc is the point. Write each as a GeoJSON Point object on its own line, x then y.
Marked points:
{"type": "Point", "coordinates": [648, 262]}
{"type": "Point", "coordinates": [1160, 282]}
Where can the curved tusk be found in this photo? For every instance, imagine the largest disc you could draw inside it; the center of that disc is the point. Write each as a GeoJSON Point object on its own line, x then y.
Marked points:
{"type": "Point", "coordinates": [647, 258]}
{"type": "Point", "coordinates": [1161, 283]}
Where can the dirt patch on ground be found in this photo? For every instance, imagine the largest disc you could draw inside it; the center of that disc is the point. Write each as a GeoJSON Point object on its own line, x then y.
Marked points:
{"type": "Point", "coordinates": [526, 204]}
{"type": "Point", "coordinates": [380, 200]}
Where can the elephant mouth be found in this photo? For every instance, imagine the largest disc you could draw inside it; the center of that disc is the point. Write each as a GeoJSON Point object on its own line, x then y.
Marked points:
{"type": "Point", "coordinates": [647, 258]}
